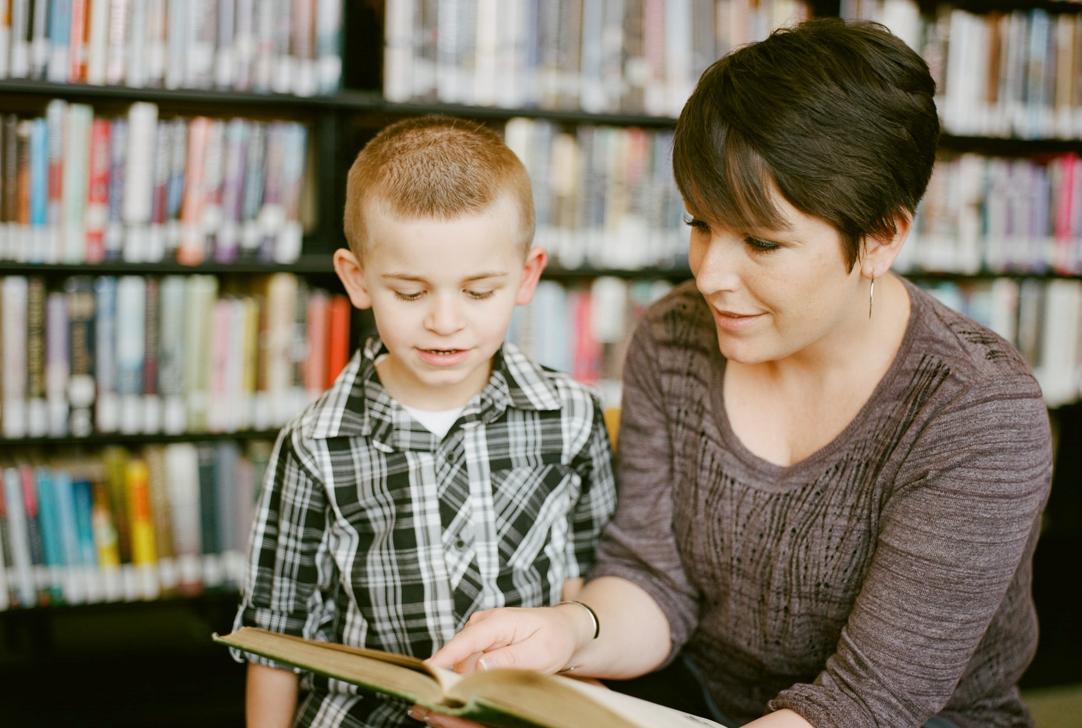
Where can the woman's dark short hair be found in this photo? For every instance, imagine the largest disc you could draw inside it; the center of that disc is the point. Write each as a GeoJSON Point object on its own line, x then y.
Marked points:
{"type": "Point", "coordinates": [840, 117]}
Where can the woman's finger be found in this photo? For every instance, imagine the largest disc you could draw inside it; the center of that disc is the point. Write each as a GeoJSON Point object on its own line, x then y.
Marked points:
{"type": "Point", "coordinates": [439, 720]}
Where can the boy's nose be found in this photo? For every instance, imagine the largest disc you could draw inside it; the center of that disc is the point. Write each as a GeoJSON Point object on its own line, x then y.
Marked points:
{"type": "Point", "coordinates": [443, 318]}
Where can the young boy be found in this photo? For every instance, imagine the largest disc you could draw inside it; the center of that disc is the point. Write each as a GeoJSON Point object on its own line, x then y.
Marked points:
{"type": "Point", "coordinates": [444, 472]}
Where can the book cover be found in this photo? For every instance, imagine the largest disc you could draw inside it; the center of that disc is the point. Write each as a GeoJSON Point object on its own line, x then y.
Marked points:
{"type": "Point", "coordinates": [506, 697]}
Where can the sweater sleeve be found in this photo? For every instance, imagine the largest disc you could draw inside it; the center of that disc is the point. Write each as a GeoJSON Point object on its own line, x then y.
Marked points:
{"type": "Point", "coordinates": [639, 544]}
{"type": "Point", "coordinates": [960, 520]}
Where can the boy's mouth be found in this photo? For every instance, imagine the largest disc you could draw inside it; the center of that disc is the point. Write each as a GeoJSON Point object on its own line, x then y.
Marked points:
{"type": "Point", "coordinates": [443, 357]}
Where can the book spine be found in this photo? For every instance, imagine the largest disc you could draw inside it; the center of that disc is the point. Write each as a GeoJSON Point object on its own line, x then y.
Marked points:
{"type": "Point", "coordinates": [318, 344]}
{"type": "Point", "coordinates": [19, 242]}
{"type": "Point", "coordinates": [39, 190]}
{"type": "Point", "coordinates": [139, 181]}
{"type": "Point", "coordinates": [135, 74]}
{"type": "Point", "coordinates": [225, 66]}
{"type": "Point", "coordinates": [182, 468]}
{"type": "Point", "coordinates": [131, 294]}
{"type": "Point", "coordinates": [230, 543]}
{"type": "Point", "coordinates": [116, 52]}
{"type": "Point", "coordinates": [152, 403]}
{"type": "Point", "coordinates": [144, 552]}
{"type": "Point", "coordinates": [200, 296]}
{"type": "Point", "coordinates": [79, 291]}
{"type": "Point", "coordinates": [227, 246]}
{"type": "Point", "coordinates": [303, 47]}
{"type": "Point", "coordinates": [192, 246]}
{"type": "Point", "coordinates": [171, 356]}
{"type": "Point", "coordinates": [213, 168]}
{"type": "Point", "coordinates": [208, 516]}
{"type": "Point", "coordinates": [51, 537]}
{"type": "Point", "coordinates": [40, 570]}
{"type": "Point", "coordinates": [254, 174]}
{"type": "Point", "coordinates": [25, 590]}
{"type": "Point", "coordinates": [243, 44]}
{"type": "Point", "coordinates": [57, 363]}
{"type": "Point", "coordinates": [83, 497]}
{"type": "Point", "coordinates": [76, 145]}
{"type": "Point", "coordinates": [10, 199]}
{"type": "Point", "coordinates": [106, 542]}
{"type": "Point", "coordinates": [37, 417]}
{"type": "Point", "coordinates": [13, 296]}
{"type": "Point", "coordinates": [174, 190]}
{"type": "Point", "coordinates": [39, 46]}
{"type": "Point", "coordinates": [221, 333]}
{"type": "Point", "coordinates": [73, 588]}
{"type": "Point", "coordinates": [338, 337]}
{"type": "Point", "coordinates": [19, 17]}
{"type": "Point", "coordinates": [158, 492]}
{"type": "Point", "coordinates": [97, 52]}
{"type": "Point", "coordinates": [107, 405]}
{"type": "Point", "coordinates": [59, 40]}
{"type": "Point", "coordinates": [55, 114]}
{"type": "Point", "coordinates": [398, 50]}
{"type": "Point", "coordinates": [156, 42]}
{"type": "Point", "coordinates": [285, 65]}
{"type": "Point", "coordinates": [176, 70]}
{"type": "Point", "coordinates": [77, 43]}
{"type": "Point", "coordinates": [97, 208]}
{"type": "Point", "coordinates": [328, 45]}
{"type": "Point", "coordinates": [287, 246]}
{"type": "Point", "coordinates": [202, 32]}
{"type": "Point", "coordinates": [159, 195]}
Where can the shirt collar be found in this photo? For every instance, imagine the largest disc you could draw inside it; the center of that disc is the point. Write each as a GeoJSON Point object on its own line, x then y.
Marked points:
{"type": "Point", "coordinates": [357, 405]}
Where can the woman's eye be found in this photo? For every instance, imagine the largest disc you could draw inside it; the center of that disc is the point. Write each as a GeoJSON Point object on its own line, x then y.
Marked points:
{"type": "Point", "coordinates": [480, 295]}
{"type": "Point", "coordinates": [695, 223]}
{"type": "Point", "coordinates": [760, 246]}
{"type": "Point", "coordinates": [402, 296]}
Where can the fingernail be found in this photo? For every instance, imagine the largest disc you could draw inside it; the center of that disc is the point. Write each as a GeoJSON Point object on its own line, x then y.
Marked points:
{"type": "Point", "coordinates": [417, 713]}
{"type": "Point", "coordinates": [488, 663]}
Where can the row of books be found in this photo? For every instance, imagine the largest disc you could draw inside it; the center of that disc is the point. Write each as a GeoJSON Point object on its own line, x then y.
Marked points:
{"type": "Point", "coordinates": [1003, 215]}
{"type": "Point", "coordinates": [1005, 74]}
{"type": "Point", "coordinates": [585, 329]}
{"type": "Point", "coordinates": [604, 196]}
{"type": "Point", "coordinates": [80, 188]}
{"type": "Point", "coordinates": [280, 46]}
{"type": "Point", "coordinates": [174, 355]}
{"type": "Point", "coordinates": [1041, 318]}
{"type": "Point", "coordinates": [125, 526]}
{"type": "Point", "coordinates": [637, 56]}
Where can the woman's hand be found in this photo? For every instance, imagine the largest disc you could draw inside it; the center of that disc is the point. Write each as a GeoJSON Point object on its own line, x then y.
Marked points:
{"type": "Point", "coordinates": [544, 639]}
{"type": "Point", "coordinates": [439, 720]}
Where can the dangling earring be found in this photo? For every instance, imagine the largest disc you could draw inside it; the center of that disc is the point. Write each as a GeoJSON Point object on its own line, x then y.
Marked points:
{"type": "Point", "coordinates": [871, 297]}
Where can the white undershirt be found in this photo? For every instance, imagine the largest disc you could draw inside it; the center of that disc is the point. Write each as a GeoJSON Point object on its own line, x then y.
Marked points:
{"type": "Point", "coordinates": [438, 423]}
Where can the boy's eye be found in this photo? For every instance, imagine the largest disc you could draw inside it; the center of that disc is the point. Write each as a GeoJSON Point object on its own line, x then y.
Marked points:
{"type": "Point", "coordinates": [480, 295]}
{"type": "Point", "coordinates": [404, 296]}
{"type": "Point", "coordinates": [760, 246]}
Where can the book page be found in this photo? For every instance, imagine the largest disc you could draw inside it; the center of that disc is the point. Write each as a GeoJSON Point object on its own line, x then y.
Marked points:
{"type": "Point", "coordinates": [561, 702]}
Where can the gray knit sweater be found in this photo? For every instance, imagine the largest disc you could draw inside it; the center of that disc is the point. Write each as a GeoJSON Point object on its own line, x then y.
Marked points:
{"type": "Point", "coordinates": [882, 580]}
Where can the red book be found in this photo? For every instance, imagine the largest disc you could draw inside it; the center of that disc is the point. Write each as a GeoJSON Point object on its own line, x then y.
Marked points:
{"type": "Point", "coordinates": [97, 202]}
{"type": "Point", "coordinates": [338, 338]}
{"type": "Point", "coordinates": [77, 46]}
{"type": "Point", "coordinates": [193, 245]}
{"type": "Point", "coordinates": [318, 325]}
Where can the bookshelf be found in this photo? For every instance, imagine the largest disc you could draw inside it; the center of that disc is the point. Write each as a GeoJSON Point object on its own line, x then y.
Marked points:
{"type": "Point", "coordinates": [157, 648]}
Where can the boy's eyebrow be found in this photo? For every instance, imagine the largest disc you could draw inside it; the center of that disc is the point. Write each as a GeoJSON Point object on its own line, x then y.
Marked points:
{"type": "Point", "coordinates": [419, 279]}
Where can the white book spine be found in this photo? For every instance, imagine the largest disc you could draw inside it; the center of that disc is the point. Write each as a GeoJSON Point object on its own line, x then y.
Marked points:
{"type": "Point", "coordinates": [39, 45]}
{"type": "Point", "coordinates": [5, 40]}
{"type": "Point", "coordinates": [76, 156]}
{"type": "Point", "coordinates": [130, 350]}
{"type": "Point", "coordinates": [14, 294]}
{"type": "Point", "coordinates": [18, 538]}
{"type": "Point", "coordinates": [139, 179]}
{"type": "Point", "coordinates": [176, 45]}
{"type": "Point", "coordinates": [243, 44]}
{"type": "Point", "coordinates": [136, 55]}
{"type": "Point", "coordinates": [328, 44]}
{"type": "Point", "coordinates": [20, 47]}
{"type": "Point", "coordinates": [398, 50]}
{"type": "Point", "coordinates": [225, 66]}
{"type": "Point", "coordinates": [97, 51]}
{"type": "Point", "coordinates": [486, 39]}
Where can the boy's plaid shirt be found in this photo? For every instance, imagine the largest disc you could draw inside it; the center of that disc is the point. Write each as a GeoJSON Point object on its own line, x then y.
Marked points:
{"type": "Point", "coordinates": [371, 531]}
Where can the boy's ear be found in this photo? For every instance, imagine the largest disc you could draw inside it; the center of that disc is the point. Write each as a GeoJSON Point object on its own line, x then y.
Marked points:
{"type": "Point", "coordinates": [536, 260]}
{"type": "Point", "coordinates": [351, 274]}
{"type": "Point", "coordinates": [879, 254]}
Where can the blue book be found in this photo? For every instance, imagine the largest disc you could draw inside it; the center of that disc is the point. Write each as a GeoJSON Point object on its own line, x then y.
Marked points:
{"type": "Point", "coordinates": [83, 499]}
{"type": "Point", "coordinates": [59, 40]}
{"type": "Point", "coordinates": [64, 498]}
{"type": "Point", "coordinates": [51, 537]}
{"type": "Point", "coordinates": [39, 185]}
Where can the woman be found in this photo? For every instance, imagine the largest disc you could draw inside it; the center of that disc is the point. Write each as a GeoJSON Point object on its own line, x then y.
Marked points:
{"type": "Point", "coordinates": [830, 484]}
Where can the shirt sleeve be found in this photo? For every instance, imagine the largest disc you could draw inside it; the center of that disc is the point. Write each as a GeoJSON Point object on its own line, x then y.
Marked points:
{"type": "Point", "coordinates": [289, 575]}
{"type": "Point", "coordinates": [962, 517]}
{"type": "Point", "coordinates": [597, 498]}
{"type": "Point", "coordinates": [639, 544]}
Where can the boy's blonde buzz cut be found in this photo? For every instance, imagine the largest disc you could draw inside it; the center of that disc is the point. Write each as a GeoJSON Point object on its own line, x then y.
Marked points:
{"type": "Point", "coordinates": [435, 167]}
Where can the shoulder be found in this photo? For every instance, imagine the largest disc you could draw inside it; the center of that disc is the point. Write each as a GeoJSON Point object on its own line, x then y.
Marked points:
{"type": "Point", "coordinates": [534, 386]}
{"type": "Point", "coordinates": [975, 357]}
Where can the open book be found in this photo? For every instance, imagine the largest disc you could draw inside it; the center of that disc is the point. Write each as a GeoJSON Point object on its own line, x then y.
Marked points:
{"type": "Point", "coordinates": [505, 698]}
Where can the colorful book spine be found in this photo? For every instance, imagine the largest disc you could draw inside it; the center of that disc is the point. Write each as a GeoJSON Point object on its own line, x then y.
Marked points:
{"type": "Point", "coordinates": [79, 292]}
{"type": "Point", "coordinates": [106, 542]}
{"type": "Point", "coordinates": [144, 550]}
{"type": "Point", "coordinates": [97, 207]}
{"type": "Point", "coordinates": [152, 402]}
{"type": "Point", "coordinates": [131, 309]}
{"type": "Point", "coordinates": [51, 536]}
{"type": "Point", "coordinates": [25, 588]}
{"type": "Point", "coordinates": [89, 573]}
{"type": "Point", "coordinates": [37, 416]}
{"type": "Point", "coordinates": [107, 405]}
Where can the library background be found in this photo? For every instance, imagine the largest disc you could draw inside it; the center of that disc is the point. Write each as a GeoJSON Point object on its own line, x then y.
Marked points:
{"type": "Point", "coordinates": [172, 177]}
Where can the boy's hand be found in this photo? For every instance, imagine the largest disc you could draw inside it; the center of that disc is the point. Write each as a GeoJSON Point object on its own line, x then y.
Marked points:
{"type": "Point", "coordinates": [542, 639]}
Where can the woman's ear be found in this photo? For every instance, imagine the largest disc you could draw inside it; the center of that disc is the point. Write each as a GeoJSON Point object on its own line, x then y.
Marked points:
{"type": "Point", "coordinates": [880, 253]}
{"type": "Point", "coordinates": [536, 260]}
{"type": "Point", "coordinates": [351, 273]}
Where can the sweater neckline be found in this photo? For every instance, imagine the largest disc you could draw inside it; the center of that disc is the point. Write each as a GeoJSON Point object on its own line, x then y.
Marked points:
{"type": "Point", "coordinates": [774, 477]}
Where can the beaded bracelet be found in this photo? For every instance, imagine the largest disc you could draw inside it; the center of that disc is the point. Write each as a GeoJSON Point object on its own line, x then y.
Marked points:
{"type": "Point", "coordinates": [592, 613]}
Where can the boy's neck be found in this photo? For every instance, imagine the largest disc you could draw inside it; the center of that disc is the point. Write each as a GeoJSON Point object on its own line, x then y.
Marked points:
{"type": "Point", "coordinates": [408, 390]}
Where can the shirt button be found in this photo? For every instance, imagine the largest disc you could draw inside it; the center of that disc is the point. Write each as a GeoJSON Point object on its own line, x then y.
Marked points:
{"type": "Point", "coordinates": [460, 544]}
